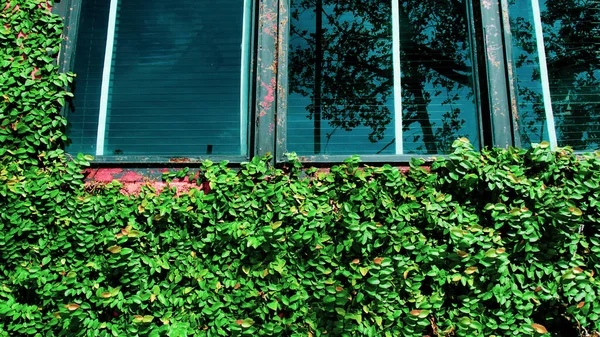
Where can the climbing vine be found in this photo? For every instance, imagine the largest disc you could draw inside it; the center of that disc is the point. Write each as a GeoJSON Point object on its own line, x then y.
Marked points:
{"type": "Point", "coordinates": [480, 243]}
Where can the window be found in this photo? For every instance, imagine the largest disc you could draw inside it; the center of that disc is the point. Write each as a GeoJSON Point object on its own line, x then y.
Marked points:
{"type": "Point", "coordinates": [556, 52]}
{"type": "Point", "coordinates": [380, 77]}
{"type": "Point", "coordinates": [161, 78]}
{"type": "Point", "coordinates": [385, 79]}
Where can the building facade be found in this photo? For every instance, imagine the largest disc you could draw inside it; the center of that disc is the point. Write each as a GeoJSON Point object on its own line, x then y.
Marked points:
{"type": "Point", "coordinates": [388, 80]}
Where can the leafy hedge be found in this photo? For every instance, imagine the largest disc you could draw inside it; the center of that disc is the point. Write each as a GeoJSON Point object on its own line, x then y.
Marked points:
{"type": "Point", "coordinates": [497, 242]}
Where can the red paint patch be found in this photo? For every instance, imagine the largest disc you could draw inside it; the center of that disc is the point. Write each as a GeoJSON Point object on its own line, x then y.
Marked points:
{"type": "Point", "coordinates": [131, 177]}
{"type": "Point", "coordinates": [107, 174]}
{"type": "Point", "coordinates": [270, 96]}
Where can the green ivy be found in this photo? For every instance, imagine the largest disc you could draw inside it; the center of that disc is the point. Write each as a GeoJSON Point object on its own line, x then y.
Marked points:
{"type": "Point", "coordinates": [490, 243]}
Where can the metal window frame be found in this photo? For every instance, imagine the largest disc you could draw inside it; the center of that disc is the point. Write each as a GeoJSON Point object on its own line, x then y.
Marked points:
{"type": "Point", "coordinates": [494, 130]}
{"type": "Point", "coordinates": [70, 11]}
{"type": "Point", "coordinates": [268, 85]}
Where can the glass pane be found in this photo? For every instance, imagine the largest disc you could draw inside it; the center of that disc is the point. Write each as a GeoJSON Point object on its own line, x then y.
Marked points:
{"type": "Point", "coordinates": [570, 34]}
{"type": "Point", "coordinates": [91, 44]}
{"type": "Point", "coordinates": [175, 76]}
{"type": "Point", "coordinates": [343, 85]}
{"type": "Point", "coordinates": [530, 100]}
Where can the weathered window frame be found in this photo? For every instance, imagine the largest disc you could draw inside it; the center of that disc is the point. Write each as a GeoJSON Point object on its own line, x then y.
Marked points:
{"type": "Point", "coordinates": [267, 91]}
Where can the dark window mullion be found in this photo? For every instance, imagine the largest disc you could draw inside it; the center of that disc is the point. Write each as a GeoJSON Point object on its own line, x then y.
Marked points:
{"type": "Point", "coordinates": [266, 78]}
{"type": "Point", "coordinates": [494, 53]}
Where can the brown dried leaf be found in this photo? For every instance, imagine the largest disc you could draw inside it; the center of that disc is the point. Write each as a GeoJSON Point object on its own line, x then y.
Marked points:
{"type": "Point", "coordinates": [415, 312]}
{"type": "Point", "coordinates": [461, 253]}
{"type": "Point", "coordinates": [356, 261]}
{"type": "Point", "coordinates": [72, 306]}
{"type": "Point", "coordinates": [378, 260]}
{"type": "Point", "coordinates": [539, 328]}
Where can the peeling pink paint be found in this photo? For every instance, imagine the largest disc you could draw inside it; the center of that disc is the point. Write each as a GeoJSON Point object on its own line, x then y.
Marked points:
{"type": "Point", "coordinates": [131, 176]}
{"type": "Point", "coordinates": [270, 96]}
{"type": "Point", "coordinates": [106, 174]}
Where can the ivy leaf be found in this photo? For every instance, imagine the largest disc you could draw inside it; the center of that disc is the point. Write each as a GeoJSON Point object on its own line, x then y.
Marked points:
{"type": "Point", "coordinates": [114, 249]}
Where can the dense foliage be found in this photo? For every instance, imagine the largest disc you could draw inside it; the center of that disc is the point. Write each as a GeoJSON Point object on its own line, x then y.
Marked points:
{"type": "Point", "coordinates": [497, 242]}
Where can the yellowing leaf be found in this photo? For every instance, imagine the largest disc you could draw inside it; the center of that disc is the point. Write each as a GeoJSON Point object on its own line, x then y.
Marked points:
{"type": "Point", "coordinates": [470, 270]}
{"type": "Point", "coordinates": [147, 318]}
{"type": "Point", "coordinates": [363, 270]}
{"type": "Point", "coordinates": [461, 253]}
{"type": "Point", "coordinates": [247, 323]}
{"type": "Point", "coordinates": [152, 298]}
{"type": "Point", "coordinates": [577, 270]}
{"type": "Point", "coordinates": [134, 233]}
{"type": "Point", "coordinates": [539, 328]}
{"type": "Point", "coordinates": [500, 250]}
{"type": "Point", "coordinates": [138, 318]}
{"type": "Point", "coordinates": [491, 253]}
{"type": "Point", "coordinates": [72, 306]}
{"type": "Point", "coordinates": [276, 224]}
{"type": "Point", "coordinates": [105, 295]}
{"type": "Point", "coordinates": [415, 312]}
{"type": "Point", "coordinates": [114, 249]}
{"type": "Point", "coordinates": [575, 211]}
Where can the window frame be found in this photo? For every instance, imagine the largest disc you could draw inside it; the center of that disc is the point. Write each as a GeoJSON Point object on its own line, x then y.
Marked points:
{"type": "Point", "coordinates": [495, 129]}
{"type": "Point", "coordinates": [70, 11]}
{"type": "Point", "coordinates": [268, 84]}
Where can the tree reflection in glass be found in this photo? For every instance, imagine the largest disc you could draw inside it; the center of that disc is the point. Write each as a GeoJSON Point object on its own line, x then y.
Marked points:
{"type": "Point", "coordinates": [568, 68]}
{"type": "Point", "coordinates": [343, 85]}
